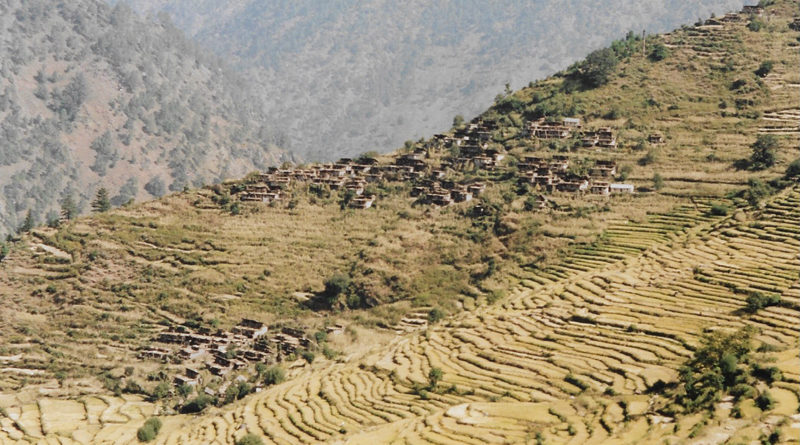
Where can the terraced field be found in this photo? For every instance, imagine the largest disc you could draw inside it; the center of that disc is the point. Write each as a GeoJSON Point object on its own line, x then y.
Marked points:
{"type": "Point", "coordinates": [569, 353]}
{"type": "Point", "coordinates": [567, 357]}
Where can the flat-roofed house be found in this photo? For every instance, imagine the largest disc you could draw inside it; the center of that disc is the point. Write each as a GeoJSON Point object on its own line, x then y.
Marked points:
{"type": "Point", "coordinates": [618, 188]}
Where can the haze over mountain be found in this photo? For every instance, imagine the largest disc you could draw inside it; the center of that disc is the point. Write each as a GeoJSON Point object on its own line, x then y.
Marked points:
{"type": "Point", "coordinates": [344, 78]}
{"type": "Point", "coordinates": [93, 96]}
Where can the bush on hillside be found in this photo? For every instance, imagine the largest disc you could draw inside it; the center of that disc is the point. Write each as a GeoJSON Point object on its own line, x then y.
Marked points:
{"type": "Point", "coordinates": [250, 439]}
{"type": "Point", "coordinates": [764, 152]}
{"type": "Point", "coordinates": [149, 430]}
{"type": "Point", "coordinates": [765, 68]}
{"type": "Point", "coordinates": [597, 68]}
{"type": "Point", "coordinates": [658, 181]}
{"type": "Point", "coordinates": [659, 52]}
{"type": "Point", "coordinates": [714, 367]}
{"type": "Point", "coordinates": [434, 376]}
{"type": "Point", "coordinates": [435, 315]}
{"type": "Point", "coordinates": [719, 209]}
{"type": "Point", "coordinates": [756, 24]}
{"type": "Point", "coordinates": [308, 356]}
{"type": "Point", "coordinates": [274, 375]}
{"type": "Point", "coordinates": [336, 286]}
{"type": "Point", "coordinates": [197, 404]}
{"type": "Point", "coordinates": [237, 391]}
{"type": "Point", "coordinates": [757, 301]}
{"type": "Point", "coordinates": [765, 401]}
{"type": "Point", "coordinates": [756, 191]}
{"type": "Point", "coordinates": [793, 170]}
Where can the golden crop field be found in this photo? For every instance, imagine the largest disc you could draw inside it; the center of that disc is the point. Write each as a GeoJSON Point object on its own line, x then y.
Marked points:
{"type": "Point", "coordinates": [590, 322]}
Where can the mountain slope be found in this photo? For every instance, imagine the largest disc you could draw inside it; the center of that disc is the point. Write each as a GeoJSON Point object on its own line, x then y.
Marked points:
{"type": "Point", "coordinates": [93, 96]}
{"type": "Point", "coordinates": [574, 327]}
{"type": "Point", "coordinates": [345, 78]}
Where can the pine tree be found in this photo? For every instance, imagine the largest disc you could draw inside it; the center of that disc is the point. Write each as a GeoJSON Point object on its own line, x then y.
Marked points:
{"type": "Point", "coordinates": [68, 208]}
{"type": "Point", "coordinates": [28, 224]}
{"type": "Point", "coordinates": [101, 202]}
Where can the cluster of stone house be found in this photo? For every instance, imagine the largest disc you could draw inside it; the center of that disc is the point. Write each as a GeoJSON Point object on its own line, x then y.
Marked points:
{"type": "Point", "coordinates": [443, 193]}
{"type": "Point", "coordinates": [553, 175]}
{"type": "Point", "coordinates": [222, 352]}
{"type": "Point", "coordinates": [426, 167]}
{"type": "Point", "coordinates": [472, 142]}
{"type": "Point", "coordinates": [602, 137]}
{"type": "Point", "coordinates": [733, 17]}
{"type": "Point", "coordinates": [549, 129]}
{"type": "Point", "coordinates": [752, 10]}
{"type": "Point", "coordinates": [345, 174]}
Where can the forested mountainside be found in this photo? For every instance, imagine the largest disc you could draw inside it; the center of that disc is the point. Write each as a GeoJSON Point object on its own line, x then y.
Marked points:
{"type": "Point", "coordinates": [93, 96]}
{"type": "Point", "coordinates": [347, 77]}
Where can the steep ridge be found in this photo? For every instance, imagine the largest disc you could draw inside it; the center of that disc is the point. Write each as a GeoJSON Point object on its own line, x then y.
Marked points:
{"type": "Point", "coordinates": [93, 96]}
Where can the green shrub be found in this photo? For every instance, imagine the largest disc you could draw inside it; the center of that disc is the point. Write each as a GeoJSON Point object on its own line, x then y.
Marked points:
{"type": "Point", "coordinates": [764, 152]}
{"type": "Point", "coordinates": [765, 68]}
{"type": "Point", "coordinates": [755, 25]}
{"type": "Point", "coordinates": [592, 72]}
{"type": "Point", "coordinates": [274, 375]}
{"type": "Point", "coordinates": [434, 376]}
{"type": "Point", "coordinates": [713, 368]}
{"type": "Point", "coordinates": [756, 191]}
{"type": "Point", "coordinates": [531, 203]}
{"type": "Point", "coordinates": [792, 171]}
{"type": "Point", "coordinates": [145, 434]}
{"type": "Point", "coordinates": [155, 423]}
{"type": "Point", "coordinates": [768, 374]}
{"type": "Point", "coordinates": [149, 430]}
{"type": "Point", "coordinates": [624, 172]}
{"type": "Point", "coordinates": [335, 286]}
{"type": "Point", "coordinates": [773, 438]}
{"type": "Point", "coordinates": [197, 404]}
{"type": "Point", "coordinates": [765, 401]}
{"type": "Point", "coordinates": [185, 390]}
{"type": "Point", "coordinates": [719, 209]}
{"type": "Point", "coordinates": [742, 391]}
{"type": "Point", "coordinates": [250, 439]}
{"type": "Point", "coordinates": [659, 52]}
{"type": "Point", "coordinates": [308, 356]}
{"type": "Point", "coordinates": [237, 391]}
{"type": "Point", "coordinates": [757, 300]}
{"type": "Point", "coordinates": [329, 353]}
{"type": "Point", "coordinates": [649, 158]}
{"type": "Point", "coordinates": [435, 315]}
{"type": "Point", "coordinates": [658, 181]}
{"type": "Point", "coordinates": [161, 391]}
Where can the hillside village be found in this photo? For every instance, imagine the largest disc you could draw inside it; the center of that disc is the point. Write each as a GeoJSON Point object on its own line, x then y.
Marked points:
{"type": "Point", "coordinates": [594, 345]}
{"type": "Point", "coordinates": [431, 168]}
{"type": "Point", "coordinates": [221, 352]}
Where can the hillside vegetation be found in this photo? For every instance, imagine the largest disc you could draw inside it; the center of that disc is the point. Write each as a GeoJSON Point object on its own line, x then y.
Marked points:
{"type": "Point", "coordinates": [93, 96]}
{"type": "Point", "coordinates": [665, 315]}
{"type": "Point", "coordinates": [345, 77]}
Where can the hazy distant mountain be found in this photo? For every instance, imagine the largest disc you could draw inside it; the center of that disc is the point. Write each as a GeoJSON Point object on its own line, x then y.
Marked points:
{"type": "Point", "coordinates": [94, 96]}
{"type": "Point", "coordinates": [345, 77]}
